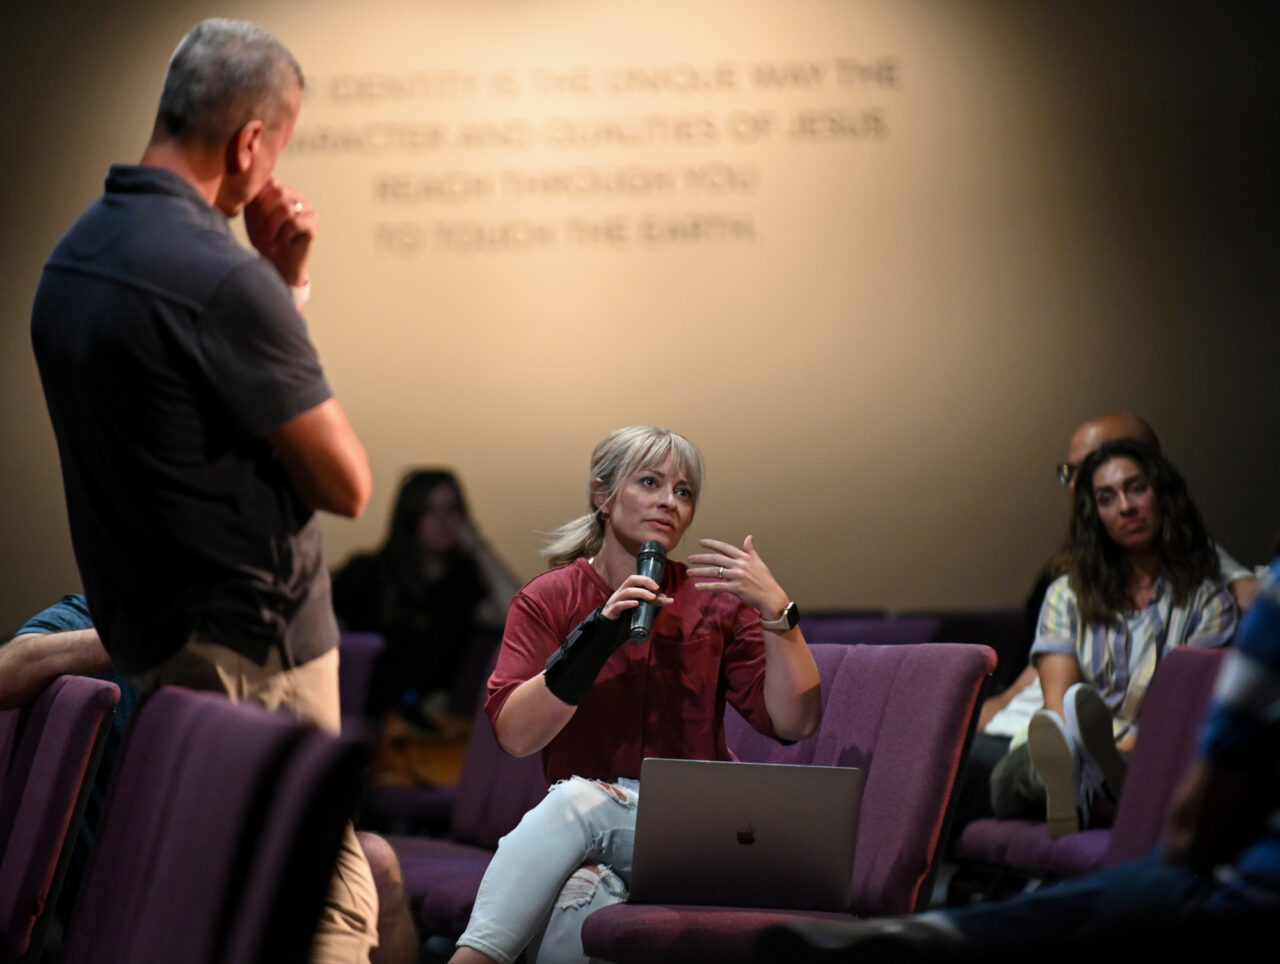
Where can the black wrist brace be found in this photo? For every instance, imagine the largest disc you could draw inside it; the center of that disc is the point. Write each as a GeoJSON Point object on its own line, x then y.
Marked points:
{"type": "Point", "coordinates": [573, 668]}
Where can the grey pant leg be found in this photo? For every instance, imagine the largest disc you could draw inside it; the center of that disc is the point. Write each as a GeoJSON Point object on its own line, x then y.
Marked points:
{"type": "Point", "coordinates": [586, 891]}
{"type": "Point", "coordinates": [1016, 787]}
{"type": "Point", "coordinates": [578, 821]}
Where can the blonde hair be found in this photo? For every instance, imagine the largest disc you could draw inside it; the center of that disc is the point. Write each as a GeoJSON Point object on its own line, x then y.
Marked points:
{"type": "Point", "coordinates": [619, 454]}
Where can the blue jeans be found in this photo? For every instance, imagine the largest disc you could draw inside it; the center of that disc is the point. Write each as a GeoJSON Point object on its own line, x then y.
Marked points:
{"type": "Point", "coordinates": [536, 892]}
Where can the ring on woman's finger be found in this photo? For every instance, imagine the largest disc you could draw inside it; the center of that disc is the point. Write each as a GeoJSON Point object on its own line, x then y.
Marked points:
{"type": "Point", "coordinates": [720, 573]}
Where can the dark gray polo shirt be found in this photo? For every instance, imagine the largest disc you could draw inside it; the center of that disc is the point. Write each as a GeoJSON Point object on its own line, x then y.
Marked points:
{"type": "Point", "coordinates": [167, 351]}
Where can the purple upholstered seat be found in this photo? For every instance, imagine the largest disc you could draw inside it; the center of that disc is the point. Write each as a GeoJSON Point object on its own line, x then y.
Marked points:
{"type": "Point", "coordinates": [870, 631]}
{"type": "Point", "coordinates": [1025, 845]}
{"type": "Point", "coordinates": [357, 656]}
{"type": "Point", "coordinates": [1172, 715]}
{"type": "Point", "coordinates": [193, 824]}
{"type": "Point", "coordinates": [494, 791]}
{"type": "Point", "coordinates": [1172, 712]}
{"type": "Point", "coordinates": [293, 865]}
{"type": "Point", "coordinates": [902, 713]}
{"type": "Point", "coordinates": [50, 753]}
{"type": "Point", "coordinates": [408, 809]}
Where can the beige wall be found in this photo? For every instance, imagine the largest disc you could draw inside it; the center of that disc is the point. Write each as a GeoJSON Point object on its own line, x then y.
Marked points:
{"type": "Point", "coordinates": [933, 237]}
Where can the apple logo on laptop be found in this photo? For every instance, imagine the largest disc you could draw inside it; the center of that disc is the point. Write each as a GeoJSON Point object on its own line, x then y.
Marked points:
{"type": "Point", "coordinates": [747, 834]}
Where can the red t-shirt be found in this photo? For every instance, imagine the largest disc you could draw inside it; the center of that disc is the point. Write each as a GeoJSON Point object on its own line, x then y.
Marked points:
{"type": "Point", "coordinates": [664, 697]}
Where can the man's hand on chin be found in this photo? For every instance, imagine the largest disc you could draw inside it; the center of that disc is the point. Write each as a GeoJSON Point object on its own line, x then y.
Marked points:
{"type": "Point", "coordinates": [282, 225]}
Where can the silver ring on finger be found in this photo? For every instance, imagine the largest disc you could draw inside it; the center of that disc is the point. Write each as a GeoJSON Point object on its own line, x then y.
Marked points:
{"type": "Point", "coordinates": [720, 573]}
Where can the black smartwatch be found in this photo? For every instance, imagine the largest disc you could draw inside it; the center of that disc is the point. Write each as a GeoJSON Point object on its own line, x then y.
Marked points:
{"type": "Point", "coordinates": [786, 622]}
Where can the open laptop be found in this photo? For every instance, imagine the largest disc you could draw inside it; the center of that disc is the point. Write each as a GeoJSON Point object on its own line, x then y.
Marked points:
{"type": "Point", "coordinates": [746, 834]}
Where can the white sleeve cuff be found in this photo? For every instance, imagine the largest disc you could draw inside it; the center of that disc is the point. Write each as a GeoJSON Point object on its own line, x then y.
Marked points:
{"type": "Point", "coordinates": [301, 294]}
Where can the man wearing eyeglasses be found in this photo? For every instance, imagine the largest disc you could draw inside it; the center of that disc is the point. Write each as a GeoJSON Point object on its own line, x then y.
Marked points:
{"type": "Point", "coordinates": [1212, 883]}
{"type": "Point", "coordinates": [1105, 428]}
{"type": "Point", "coordinates": [1096, 431]}
{"type": "Point", "coordinates": [1007, 713]}
{"type": "Point", "coordinates": [1240, 581]}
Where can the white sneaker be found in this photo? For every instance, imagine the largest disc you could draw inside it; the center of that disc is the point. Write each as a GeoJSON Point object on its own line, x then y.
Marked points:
{"type": "Point", "coordinates": [1054, 755]}
{"type": "Point", "coordinates": [1089, 725]}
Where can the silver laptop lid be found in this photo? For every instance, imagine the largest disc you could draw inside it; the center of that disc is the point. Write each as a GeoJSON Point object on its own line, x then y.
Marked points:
{"type": "Point", "coordinates": [746, 834]}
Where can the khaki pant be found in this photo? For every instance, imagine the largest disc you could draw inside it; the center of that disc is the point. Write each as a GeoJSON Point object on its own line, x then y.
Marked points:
{"type": "Point", "coordinates": [347, 929]}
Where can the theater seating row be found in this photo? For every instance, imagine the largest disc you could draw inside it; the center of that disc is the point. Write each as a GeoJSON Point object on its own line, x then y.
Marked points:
{"type": "Point", "coordinates": [902, 713]}
{"type": "Point", "coordinates": [216, 812]}
{"type": "Point", "coordinates": [216, 841]}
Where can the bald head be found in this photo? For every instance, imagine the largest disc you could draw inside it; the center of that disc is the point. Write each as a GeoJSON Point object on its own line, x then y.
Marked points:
{"type": "Point", "coordinates": [1106, 428]}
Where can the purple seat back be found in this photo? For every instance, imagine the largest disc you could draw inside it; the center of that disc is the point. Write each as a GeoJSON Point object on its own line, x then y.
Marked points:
{"type": "Point", "coordinates": [869, 631]}
{"type": "Point", "coordinates": [181, 830]}
{"type": "Point", "coordinates": [292, 869]}
{"type": "Point", "coordinates": [495, 789]}
{"type": "Point", "coordinates": [357, 655]}
{"type": "Point", "coordinates": [746, 743]}
{"type": "Point", "coordinates": [903, 714]}
{"type": "Point", "coordinates": [53, 749]}
{"type": "Point", "coordinates": [1173, 710]}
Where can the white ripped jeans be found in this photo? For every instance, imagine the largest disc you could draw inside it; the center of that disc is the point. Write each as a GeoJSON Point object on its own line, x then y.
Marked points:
{"type": "Point", "coordinates": [536, 892]}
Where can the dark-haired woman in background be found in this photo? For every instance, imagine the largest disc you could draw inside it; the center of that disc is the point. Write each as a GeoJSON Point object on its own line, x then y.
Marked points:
{"type": "Point", "coordinates": [1140, 576]}
{"type": "Point", "coordinates": [429, 590]}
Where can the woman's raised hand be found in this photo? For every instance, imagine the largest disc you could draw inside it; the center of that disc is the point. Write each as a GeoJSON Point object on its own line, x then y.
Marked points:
{"type": "Point", "coordinates": [738, 571]}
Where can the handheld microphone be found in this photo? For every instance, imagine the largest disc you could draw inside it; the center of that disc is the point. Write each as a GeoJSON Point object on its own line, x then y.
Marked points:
{"type": "Point", "coordinates": [651, 561]}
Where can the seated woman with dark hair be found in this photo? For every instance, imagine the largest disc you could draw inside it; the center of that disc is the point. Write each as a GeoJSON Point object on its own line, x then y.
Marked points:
{"type": "Point", "coordinates": [1140, 575]}
{"type": "Point", "coordinates": [428, 590]}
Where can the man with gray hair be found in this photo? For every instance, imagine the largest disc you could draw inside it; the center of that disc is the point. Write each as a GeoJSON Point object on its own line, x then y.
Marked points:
{"type": "Point", "coordinates": [195, 426]}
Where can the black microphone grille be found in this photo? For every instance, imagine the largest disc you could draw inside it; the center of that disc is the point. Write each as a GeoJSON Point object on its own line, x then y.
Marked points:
{"type": "Point", "coordinates": [652, 548]}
